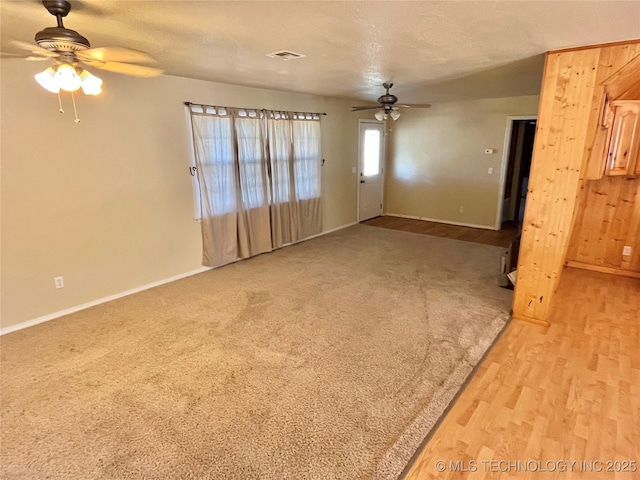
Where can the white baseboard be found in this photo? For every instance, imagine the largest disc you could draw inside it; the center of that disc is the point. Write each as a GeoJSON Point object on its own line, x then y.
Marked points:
{"type": "Point", "coordinates": [315, 236]}
{"type": "Point", "coordinates": [93, 303]}
{"type": "Point", "coordinates": [328, 231]}
{"type": "Point", "coordinates": [77, 308]}
{"type": "Point", "coordinates": [438, 220]}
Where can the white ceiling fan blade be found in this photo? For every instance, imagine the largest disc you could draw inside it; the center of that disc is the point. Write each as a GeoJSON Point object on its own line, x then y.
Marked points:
{"type": "Point", "coordinates": [17, 56]}
{"type": "Point", "coordinates": [115, 54]}
{"type": "Point", "coordinates": [31, 58]}
{"type": "Point", "coordinates": [128, 69]}
{"type": "Point", "coordinates": [35, 49]}
{"type": "Point", "coordinates": [355, 109]}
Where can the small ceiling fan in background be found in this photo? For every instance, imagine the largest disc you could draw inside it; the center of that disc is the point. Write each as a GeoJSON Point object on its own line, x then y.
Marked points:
{"type": "Point", "coordinates": [70, 52]}
{"type": "Point", "coordinates": [387, 106]}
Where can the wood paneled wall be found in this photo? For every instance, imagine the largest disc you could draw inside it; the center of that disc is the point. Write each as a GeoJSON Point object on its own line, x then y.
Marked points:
{"type": "Point", "coordinates": [568, 114]}
{"type": "Point", "coordinates": [608, 218]}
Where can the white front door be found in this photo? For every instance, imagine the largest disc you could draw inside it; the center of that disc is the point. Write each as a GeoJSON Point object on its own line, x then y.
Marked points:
{"type": "Point", "coordinates": [371, 169]}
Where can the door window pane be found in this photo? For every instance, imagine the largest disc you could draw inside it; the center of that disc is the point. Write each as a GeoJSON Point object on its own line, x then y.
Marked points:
{"type": "Point", "coordinates": [371, 153]}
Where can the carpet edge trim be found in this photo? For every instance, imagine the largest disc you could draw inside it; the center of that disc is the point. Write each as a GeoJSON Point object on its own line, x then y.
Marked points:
{"type": "Point", "coordinates": [470, 376]}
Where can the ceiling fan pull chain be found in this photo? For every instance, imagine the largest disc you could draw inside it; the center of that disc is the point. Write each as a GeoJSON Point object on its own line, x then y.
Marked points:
{"type": "Point", "coordinates": [60, 103]}
{"type": "Point", "coordinates": [75, 112]}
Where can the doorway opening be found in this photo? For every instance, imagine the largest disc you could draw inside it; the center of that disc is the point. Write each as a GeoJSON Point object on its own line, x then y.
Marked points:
{"type": "Point", "coordinates": [521, 134]}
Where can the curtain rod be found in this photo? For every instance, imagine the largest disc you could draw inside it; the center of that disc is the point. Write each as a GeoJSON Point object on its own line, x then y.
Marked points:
{"type": "Point", "coordinates": [256, 109]}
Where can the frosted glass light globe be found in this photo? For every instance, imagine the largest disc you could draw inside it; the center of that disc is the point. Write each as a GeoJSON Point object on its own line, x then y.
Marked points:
{"type": "Point", "coordinates": [47, 80]}
{"type": "Point", "coordinates": [67, 78]}
{"type": "Point", "coordinates": [91, 85]}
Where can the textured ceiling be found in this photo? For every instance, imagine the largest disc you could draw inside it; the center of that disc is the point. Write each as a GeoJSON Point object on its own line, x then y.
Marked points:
{"type": "Point", "coordinates": [432, 51]}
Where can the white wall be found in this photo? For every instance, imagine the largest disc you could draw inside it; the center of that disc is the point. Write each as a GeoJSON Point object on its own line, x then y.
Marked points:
{"type": "Point", "coordinates": [107, 203]}
{"type": "Point", "coordinates": [437, 164]}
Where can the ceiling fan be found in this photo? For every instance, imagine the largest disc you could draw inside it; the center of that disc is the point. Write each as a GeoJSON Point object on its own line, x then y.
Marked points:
{"type": "Point", "coordinates": [69, 52]}
{"type": "Point", "coordinates": [387, 106]}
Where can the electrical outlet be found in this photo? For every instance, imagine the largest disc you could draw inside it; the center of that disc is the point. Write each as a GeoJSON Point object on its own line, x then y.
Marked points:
{"type": "Point", "coordinates": [59, 281]}
{"type": "Point", "coordinates": [490, 170]}
{"type": "Point", "coordinates": [461, 209]}
{"type": "Point", "coordinates": [626, 251]}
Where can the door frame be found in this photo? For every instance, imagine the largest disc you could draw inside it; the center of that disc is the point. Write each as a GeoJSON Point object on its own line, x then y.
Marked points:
{"type": "Point", "coordinates": [505, 162]}
{"type": "Point", "coordinates": [383, 163]}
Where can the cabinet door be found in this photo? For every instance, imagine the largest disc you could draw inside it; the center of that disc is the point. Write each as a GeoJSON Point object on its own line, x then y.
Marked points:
{"type": "Point", "coordinates": [625, 135]}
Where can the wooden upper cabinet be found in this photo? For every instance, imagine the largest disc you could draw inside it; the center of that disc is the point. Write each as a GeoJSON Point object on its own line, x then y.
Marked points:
{"type": "Point", "coordinates": [624, 140]}
{"type": "Point", "coordinates": [615, 136]}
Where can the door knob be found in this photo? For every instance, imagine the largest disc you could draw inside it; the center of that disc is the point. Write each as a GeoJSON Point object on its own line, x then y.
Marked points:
{"type": "Point", "coordinates": [361, 181]}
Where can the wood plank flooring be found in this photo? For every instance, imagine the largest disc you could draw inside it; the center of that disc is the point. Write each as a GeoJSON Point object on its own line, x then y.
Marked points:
{"type": "Point", "coordinates": [501, 238]}
{"type": "Point", "coordinates": [568, 392]}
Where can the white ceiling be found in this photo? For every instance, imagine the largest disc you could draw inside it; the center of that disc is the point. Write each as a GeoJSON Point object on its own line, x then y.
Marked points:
{"type": "Point", "coordinates": [432, 50]}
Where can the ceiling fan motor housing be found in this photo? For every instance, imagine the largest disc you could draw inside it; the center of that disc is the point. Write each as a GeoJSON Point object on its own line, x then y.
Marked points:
{"type": "Point", "coordinates": [387, 99]}
{"type": "Point", "coordinates": [60, 39]}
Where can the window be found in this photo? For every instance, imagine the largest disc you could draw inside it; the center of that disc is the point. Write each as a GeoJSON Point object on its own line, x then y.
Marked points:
{"type": "Point", "coordinates": [306, 158]}
{"type": "Point", "coordinates": [258, 177]}
{"type": "Point", "coordinates": [214, 153]}
{"type": "Point", "coordinates": [251, 162]}
{"type": "Point", "coordinates": [280, 146]}
{"type": "Point", "coordinates": [371, 154]}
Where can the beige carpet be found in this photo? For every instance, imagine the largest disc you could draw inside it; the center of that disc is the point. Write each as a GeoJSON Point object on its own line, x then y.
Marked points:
{"type": "Point", "coordinates": [329, 359]}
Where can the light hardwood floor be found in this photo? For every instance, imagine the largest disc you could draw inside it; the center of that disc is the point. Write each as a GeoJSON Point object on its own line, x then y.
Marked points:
{"type": "Point", "coordinates": [568, 392]}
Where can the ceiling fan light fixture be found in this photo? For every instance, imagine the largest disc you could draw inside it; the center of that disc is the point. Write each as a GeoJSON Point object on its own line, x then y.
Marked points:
{"type": "Point", "coordinates": [91, 85]}
{"type": "Point", "coordinates": [67, 78]}
{"type": "Point", "coordinates": [387, 105]}
{"type": "Point", "coordinates": [47, 80]}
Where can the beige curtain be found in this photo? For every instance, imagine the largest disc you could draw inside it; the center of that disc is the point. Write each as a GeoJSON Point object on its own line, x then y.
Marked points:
{"type": "Point", "coordinates": [254, 232]}
{"type": "Point", "coordinates": [294, 153]}
{"type": "Point", "coordinates": [259, 179]}
{"type": "Point", "coordinates": [284, 211]}
{"type": "Point", "coordinates": [306, 163]}
{"type": "Point", "coordinates": [217, 178]}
